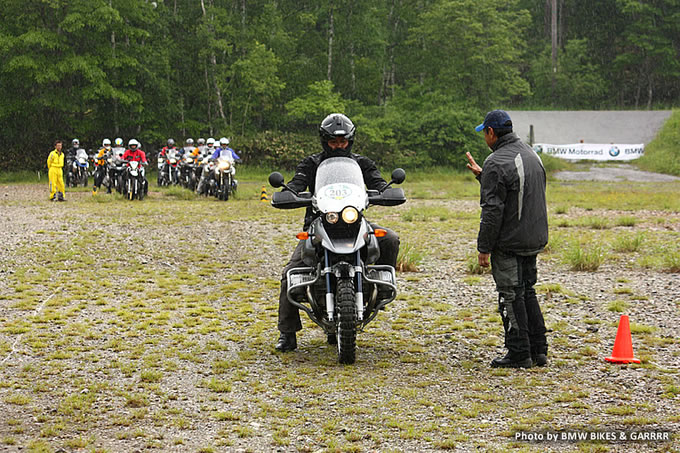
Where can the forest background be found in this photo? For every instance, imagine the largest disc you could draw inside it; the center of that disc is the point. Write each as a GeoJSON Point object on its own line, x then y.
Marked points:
{"type": "Point", "coordinates": [415, 76]}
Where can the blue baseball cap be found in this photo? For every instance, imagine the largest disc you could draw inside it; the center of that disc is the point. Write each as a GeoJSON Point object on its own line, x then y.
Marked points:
{"type": "Point", "coordinates": [496, 119]}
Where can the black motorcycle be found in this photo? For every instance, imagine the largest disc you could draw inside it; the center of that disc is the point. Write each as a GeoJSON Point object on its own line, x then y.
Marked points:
{"type": "Point", "coordinates": [341, 289]}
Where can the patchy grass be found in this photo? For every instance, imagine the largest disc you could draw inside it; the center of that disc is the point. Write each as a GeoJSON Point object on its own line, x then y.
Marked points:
{"type": "Point", "coordinates": [151, 325]}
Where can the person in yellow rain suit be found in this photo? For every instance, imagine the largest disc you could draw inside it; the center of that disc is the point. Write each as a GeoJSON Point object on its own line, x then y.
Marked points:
{"type": "Point", "coordinates": [55, 165]}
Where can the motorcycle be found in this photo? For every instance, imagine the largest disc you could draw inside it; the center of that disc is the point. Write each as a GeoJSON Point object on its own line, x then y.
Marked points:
{"type": "Point", "coordinates": [161, 179]}
{"type": "Point", "coordinates": [135, 182]}
{"type": "Point", "coordinates": [117, 168]}
{"type": "Point", "coordinates": [187, 172]}
{"type": "Point", "coordinates": [224, 181]}
{"type": "Point", "coordinates": [206, 185]}
{"type": "Point", "coordinates": [341, 289]}
{"type": "Point", "coordinates": [79, 169]}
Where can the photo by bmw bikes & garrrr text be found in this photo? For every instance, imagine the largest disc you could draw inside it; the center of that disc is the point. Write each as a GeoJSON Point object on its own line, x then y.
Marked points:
{"type": "Point", "coordinates": [340, 289]}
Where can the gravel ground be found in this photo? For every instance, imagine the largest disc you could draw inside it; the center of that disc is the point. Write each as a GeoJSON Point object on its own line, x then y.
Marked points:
{"type": "Point", "coordinates": [421, 382]}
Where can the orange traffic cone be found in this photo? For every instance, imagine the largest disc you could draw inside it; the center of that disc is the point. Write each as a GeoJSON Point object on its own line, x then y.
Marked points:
{"type": "Point", "coordinates": [623, 345]}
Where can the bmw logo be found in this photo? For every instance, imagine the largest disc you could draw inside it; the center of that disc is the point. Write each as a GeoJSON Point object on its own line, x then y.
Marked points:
{"type": "Point", "coordinates": [614, 151]}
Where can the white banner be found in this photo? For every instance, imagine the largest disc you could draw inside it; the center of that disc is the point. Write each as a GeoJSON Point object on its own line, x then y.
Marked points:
{"type": "Point", "coordinates": [592, 151]}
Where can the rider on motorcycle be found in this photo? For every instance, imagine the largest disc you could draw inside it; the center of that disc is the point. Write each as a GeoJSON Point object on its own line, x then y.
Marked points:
{"type": "Point", "coordinates": [225, 150]}
{"type": "Point", "coordinates": [337, 136]}
{"type": "Point", "coordinates": [70, 156]}
{"type": "Point", "coordinates": [205, 174]}
{"type": "Point", "coordinates": [134, 152]}
{"type": "Point", "coordinates": [100, 164]}
{"type": "Point", "coordinates": [170, 144]}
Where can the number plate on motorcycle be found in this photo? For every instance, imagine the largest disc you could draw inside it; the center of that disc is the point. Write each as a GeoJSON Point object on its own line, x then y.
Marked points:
{"type": "Point", "coordinates": [338, 191]}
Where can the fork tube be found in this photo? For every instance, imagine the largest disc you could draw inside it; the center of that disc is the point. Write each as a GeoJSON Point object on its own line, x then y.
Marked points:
{"type": "Point", "coordinates": [330, 304]}
{"type": "Point", "coordinates": [360, 291]}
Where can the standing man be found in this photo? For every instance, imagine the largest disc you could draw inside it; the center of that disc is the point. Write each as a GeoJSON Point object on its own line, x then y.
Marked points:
{"type": "Point", "coordinates": [55, 168]}
{"type": "Point", "coordinates": [512, 231]}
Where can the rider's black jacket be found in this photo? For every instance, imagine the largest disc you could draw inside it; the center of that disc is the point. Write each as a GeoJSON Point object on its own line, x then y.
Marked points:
{"type": "Point", "coordinates": [514, 217]}
{"type": "Point", "coordinates": [70, 153]}
{"type": "Point", "coordinates": [305, 175]}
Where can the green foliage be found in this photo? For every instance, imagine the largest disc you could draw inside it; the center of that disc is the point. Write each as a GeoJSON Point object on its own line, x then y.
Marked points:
{"type": "Point", "coordinates": [578, 82]}
{"type": "Point", "coordinates": [318, 102]}
{"type": "Point", "coordinates": [415, 76]}
{"type": "Point", "coordinates": [662, 155]}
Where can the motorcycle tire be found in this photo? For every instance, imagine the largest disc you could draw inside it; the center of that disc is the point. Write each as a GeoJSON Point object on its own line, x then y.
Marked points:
{"type": "Point", "coordinates": [347, 321]}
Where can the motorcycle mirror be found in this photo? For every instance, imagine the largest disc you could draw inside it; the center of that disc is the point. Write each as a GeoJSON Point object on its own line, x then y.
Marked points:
{"type": "Point", "coordinates": [276, 179]}
{"type": "Point", "coordinates": [398, 176]}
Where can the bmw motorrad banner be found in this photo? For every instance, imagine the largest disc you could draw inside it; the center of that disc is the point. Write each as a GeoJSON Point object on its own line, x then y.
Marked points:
{"type": "Point", "coordinates": [592, 151]}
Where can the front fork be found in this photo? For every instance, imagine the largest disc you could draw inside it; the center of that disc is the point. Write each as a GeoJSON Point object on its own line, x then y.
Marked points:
{"type": "Point", "coordinates": [359, 293]}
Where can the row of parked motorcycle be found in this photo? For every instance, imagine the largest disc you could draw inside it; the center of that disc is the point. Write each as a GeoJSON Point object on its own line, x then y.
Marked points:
{"type": "Point", "coordinates": [206, 169]}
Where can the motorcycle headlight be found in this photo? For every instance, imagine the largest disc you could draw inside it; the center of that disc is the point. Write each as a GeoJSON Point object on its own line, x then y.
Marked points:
{"type": "Point", "coordinates": [332, 217]}
{"type": "Point", "coordinates": [350, 215]}
{"type": "Point", "coordinates": [224, 165]}
{"type": "Point", "coordinates": [172, 161]}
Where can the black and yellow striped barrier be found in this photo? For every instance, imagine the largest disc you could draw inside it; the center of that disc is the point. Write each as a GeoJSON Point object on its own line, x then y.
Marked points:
{"type": "Point", "coordinates": [263, 195]}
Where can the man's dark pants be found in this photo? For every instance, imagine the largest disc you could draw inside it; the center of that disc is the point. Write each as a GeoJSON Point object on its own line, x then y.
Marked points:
{"type": "Point", "coordinates": [515, 277]}
{"type": "Point", "coordinates": [289, 315]}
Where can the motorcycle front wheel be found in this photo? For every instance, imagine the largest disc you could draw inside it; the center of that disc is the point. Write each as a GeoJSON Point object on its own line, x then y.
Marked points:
{"type": "Point", "coordinates": [347, 321]}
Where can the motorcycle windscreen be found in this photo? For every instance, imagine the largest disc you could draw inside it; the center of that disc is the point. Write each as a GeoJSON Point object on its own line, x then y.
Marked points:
{"type": "Point", "coordinates": [339, 184]}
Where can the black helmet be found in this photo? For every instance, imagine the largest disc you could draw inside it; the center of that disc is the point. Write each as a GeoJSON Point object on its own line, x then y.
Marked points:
{"type": "Point", "coordinates": [336, 125]}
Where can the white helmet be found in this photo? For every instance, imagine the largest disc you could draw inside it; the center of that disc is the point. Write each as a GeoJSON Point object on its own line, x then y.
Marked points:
{"type": "Point", "coordinates": [118, 141]}
{"type": "Point", "coordinates": [106, 142]}
{"type": "Point", "coordinates": [75, 142]}
{"type": "Point", "coordinates": [224, 141]}
{"type": "Point", "coordinates": [201, 141]}
{"type": "Point", "coordinates": [132, 143]}
{"type": "Point", "coordinates": [210, 142]}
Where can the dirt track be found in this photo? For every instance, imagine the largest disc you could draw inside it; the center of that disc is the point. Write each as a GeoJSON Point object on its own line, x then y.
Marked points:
{"type": "Point", "coordinates": [150, 327]}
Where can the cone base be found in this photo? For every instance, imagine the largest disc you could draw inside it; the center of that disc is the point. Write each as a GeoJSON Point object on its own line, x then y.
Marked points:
{"type": "Point", "coordinates": [622, 360]}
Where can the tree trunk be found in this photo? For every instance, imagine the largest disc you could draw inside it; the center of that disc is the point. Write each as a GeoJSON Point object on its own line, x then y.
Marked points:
{"type": "Point", "coordinates": [213, 62]}
{"type": "Point", "coordinates": [331, 32]}
{"type": "Point", "coordinates": [389, 67]}
{"type": "Point", "coordinates": [113, 58]}
{"type": "Point", "coordinates": [553, 34]}
{"type": "Point", "coordinates": [351, 52]}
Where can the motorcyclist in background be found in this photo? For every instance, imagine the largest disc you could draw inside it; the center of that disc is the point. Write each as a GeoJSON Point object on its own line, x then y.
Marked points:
{"type": "Point", "coordinates": [200, 144]}
{"type": "Point", "coordinates": [118, 149]}
{"type": "Point", "coordinates": [135, 153]}
{"type": "Point", "coordinates": [170, 144]}
{"type": "Point", "coordinates": [205, 173]}
{"type": "Point", "coordinates": [225, 151]}
{"type": "Point", "coordinates": [189, 146]}
{"type": "Point", "coordinates": [100, 166]}
{"type": "Point", "coordinates": [70, 156]}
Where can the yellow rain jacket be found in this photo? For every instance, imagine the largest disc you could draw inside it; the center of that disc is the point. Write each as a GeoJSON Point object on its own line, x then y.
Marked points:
{"type": "Point", "coordinates": [101, 156]}
{"type": "Point", "coordinates": [55, 165]}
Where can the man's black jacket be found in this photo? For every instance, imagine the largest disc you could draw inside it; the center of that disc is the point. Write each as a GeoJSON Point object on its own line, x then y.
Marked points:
{"type": "Point", "coordinates": [305, 175]}
{"type": "Point", "coordinates": [514, 214]}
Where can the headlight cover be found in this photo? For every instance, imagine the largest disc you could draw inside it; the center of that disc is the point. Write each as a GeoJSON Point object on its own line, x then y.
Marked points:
{"type": "Point", "coordinates": [224, 165]}
{"type": "Point", "coordinates": [332, 217]}
{"type": "Point", "coordinates": [350, 215]}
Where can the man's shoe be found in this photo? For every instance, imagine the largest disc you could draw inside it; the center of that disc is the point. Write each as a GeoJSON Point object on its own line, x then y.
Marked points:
{"type": "Point", "coordinates": [331, 338]}
{"type": "Point", "coordinates": [287, 342]}
{"type": "Point", "coordinates": [505, 362]}
{"type": "Point", "coordinates": [539, 360]}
